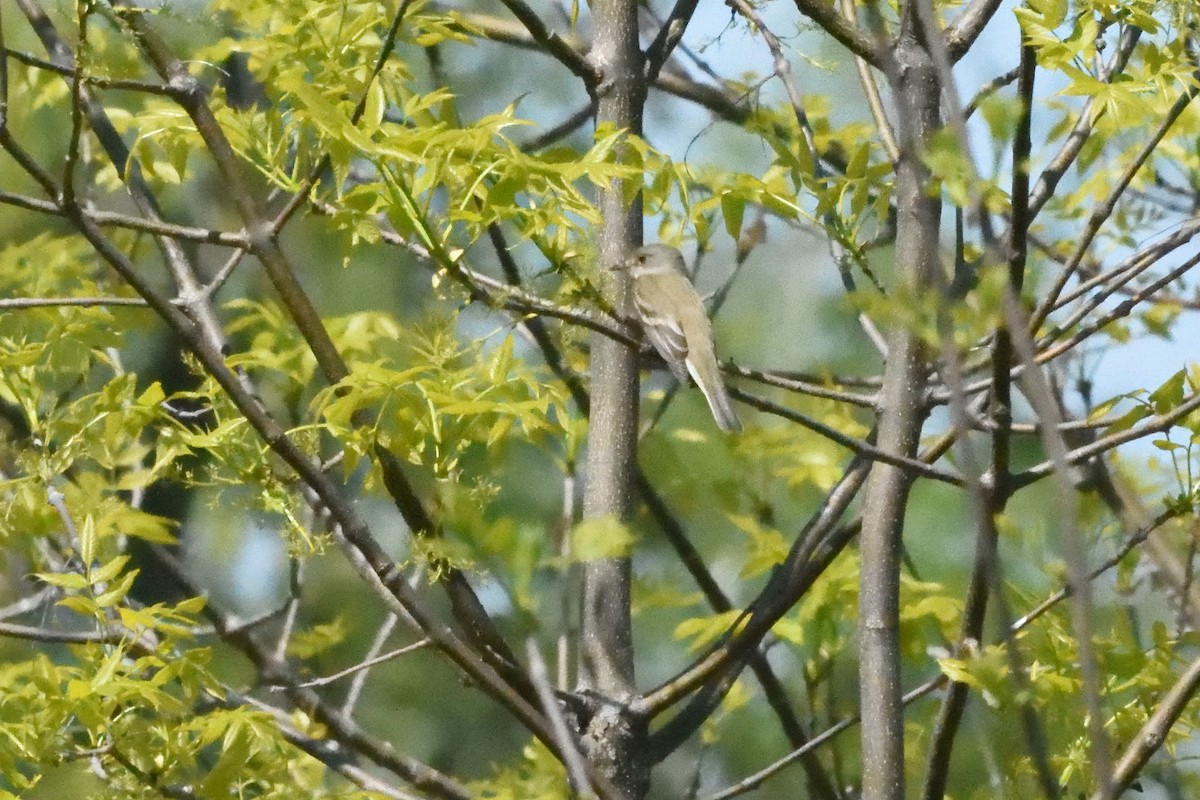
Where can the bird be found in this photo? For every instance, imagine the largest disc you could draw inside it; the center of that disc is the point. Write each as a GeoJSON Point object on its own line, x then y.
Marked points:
{"type": "Point", "coordinates": [674, 320]}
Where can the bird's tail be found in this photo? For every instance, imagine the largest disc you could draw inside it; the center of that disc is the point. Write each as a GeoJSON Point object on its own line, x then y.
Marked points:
{"type": "Point", "coordinates": [718, 399]}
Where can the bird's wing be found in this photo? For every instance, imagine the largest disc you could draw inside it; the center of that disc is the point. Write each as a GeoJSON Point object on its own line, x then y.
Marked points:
{"type": "Point", "coordinates": [666, 335]}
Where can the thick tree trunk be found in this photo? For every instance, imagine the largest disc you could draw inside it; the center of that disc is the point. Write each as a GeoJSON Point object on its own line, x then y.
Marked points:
{"type": "Point", "coordinates": [915, 86]}
{"type": "Point", "coordinates": [614, 740]}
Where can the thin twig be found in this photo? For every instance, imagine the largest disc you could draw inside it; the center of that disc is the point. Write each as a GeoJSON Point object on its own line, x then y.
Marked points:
{"type": "Point", "coordinates": [1101, 213]}
{"type": "Point", "coordinates": [572, 759]}
{"type": "Point", "coordinates": [143, 224]}
{"type": "Point", "coordinates": [915, 467]}
{"type": "Point", "coordinates": [752, 782]}
{"type": "Point", "coordinates": [360, 678]}
{"type": "Point", "coordinates": [53, 302]}
{"type": "Point", "coordinates": [363, 666]}
{"type": "Point", "coordinates": [870, 86]}
{"type": "Point", "coordinates": [50, 636]}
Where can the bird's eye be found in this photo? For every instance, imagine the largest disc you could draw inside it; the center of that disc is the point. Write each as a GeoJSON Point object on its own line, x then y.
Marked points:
{"type": "Point", "coordinates": [641, 259]}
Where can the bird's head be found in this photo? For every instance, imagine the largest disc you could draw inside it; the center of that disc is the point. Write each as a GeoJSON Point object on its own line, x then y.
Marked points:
{"type": "Point", "coordinates": [654, 259]}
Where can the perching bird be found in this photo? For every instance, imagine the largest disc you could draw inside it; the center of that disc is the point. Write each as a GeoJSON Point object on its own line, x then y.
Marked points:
{"type": "Point", "coordinates": [676, 323]}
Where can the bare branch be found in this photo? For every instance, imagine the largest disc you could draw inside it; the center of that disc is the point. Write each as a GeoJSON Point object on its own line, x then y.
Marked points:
{"type": "Point", "coordinates": [360, 677]}
{"type": "Point", "coordinates": [913, 467]}
{"type": "Point", "coordinates": [966, 27]}
{"type": "Point", "coordinates": [554, 45]}
{"type": "Point", "coordinates": [54, 302]}
{"type": "Point", "coordinates": [1123, 309]}
{"type": "Point", "coordinates": [752, 782]}
{"type": "Point", "coordinates": [573, 761]}
{"type": "Point", "coordinates": [1147, 427]}
{"type": "Point", "coordinates": [842, 29]}
{"type": "Point", "coordinates": [915, 86]}
{"type": "Point", "coordinates": [874, 101]}
{"type": "Point", "coordinates": [97, 81]}
{"type": "Point", "coordinates": [668, 36]}
{"type": "Point", "coordinates": [363, 666]}
{"type": "Point", "coordinates": [613, 738]}
{"type": "Point", "coordinates": [806, 386]}
{"type": "Point", "coordinates": [50, 636]}
{"type": "Point", "coordinates": [988, 89]}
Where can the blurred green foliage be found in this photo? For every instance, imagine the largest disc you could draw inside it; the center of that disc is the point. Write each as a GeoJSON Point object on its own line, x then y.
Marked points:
{"type": "Point", "coordinates": [113, 439]}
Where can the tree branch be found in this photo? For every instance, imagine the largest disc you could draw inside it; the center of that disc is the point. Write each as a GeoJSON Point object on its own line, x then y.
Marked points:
{"type": "Point", "coordinates": [614, 738]}
{"type": "Point", "coordinates": [668, 36]}
{"type": "Point", "coordinates": [554, 45]}
{"type": "Point", "coordinates": [843, 30]}
{"type": "Point", "coordinates": [917, 91]}
{"type": "Point", "coordinates": [1153, 734]}
{"type": "Point", "coordinates": [962, 32]}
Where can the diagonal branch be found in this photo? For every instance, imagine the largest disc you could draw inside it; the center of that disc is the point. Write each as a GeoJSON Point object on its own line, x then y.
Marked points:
{"type": "Point", "coordinates": [913, 466]}
{"type": "Point", "coordinates": [866, 78]}
{"type": "Point", "coordinates": [813, 550]}
{"type": "Point", "coordinates": [966, 27]}
{"type": "Point", "coordinates": [842, 29]}
{"type": "Point", "coordinates": [466, 606]}
{"type": "Point", "coordinates": [275, 670]}
{"type": "Point", "coordinates": [350, 530]}
{"type": "Point", "coordinates": [1154, 733]}
{"type": "Point", "coordinates": [182, 268]}
{"type": "Point", "coordinates": [668, 36]}
{"type": "Point", "coordinates": [550, 42]}
{"type": "Point", "coordinates": [1048, 181]}
{"type": "Point", "coordinates": [1101, 213]}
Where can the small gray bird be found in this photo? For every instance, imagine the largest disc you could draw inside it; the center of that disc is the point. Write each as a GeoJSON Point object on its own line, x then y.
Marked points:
{"type": "Point", "coordinates": [676, 323]}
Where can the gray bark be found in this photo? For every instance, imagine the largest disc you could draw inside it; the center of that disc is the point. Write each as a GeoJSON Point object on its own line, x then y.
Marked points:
{"type": "Point", "coordinates": [613, 738]}
{"type": "Point", "coordinates": [913, 76]}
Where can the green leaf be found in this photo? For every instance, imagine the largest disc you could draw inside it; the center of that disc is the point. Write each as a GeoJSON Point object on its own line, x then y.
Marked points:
{"type": "Point", "coordinates": [790, 630]}
{"type": "Point", "coordinates": [231, 763]}
{"type": "Point", "coordinates": [1170, 395]}
{"type": "Point", "coordinates": [944, 609]}
{"type": "Point", "coordinates": [318, 638]}
{"type": "Point", "coordinates": [600, 537]}
{"type": "Point", "coordinates": [767, 546]}
{"type": "Point", "coordinates": [733, 209]}
{"type": "Point", "coordinates": [704, 630]}
{"type": "Point", "coordinates": [64, 580]}
{"type": "Point", "coordinates": [108, 571]}
{"type": "Point", "coordinates": [87, 540]}
{"type": "Point", "coordinates": [1130, 418]}
{"type": "Point", "coordinates": [857, 167]}
{"type": "Point", "coordinates": [80, 604]}
{"type": "Point", "coordinates": [1053, 12]}
{"type": "Point", "coordinates": [375, 107]}
{"type": "Point", "coordinates": [465, 408]}
{"type": "Point", "coordinates": [958, 671]}
{"type": "Point", "coordinates": [118, 592]}
{"type": "Point", "coordinates": [502, 361]}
